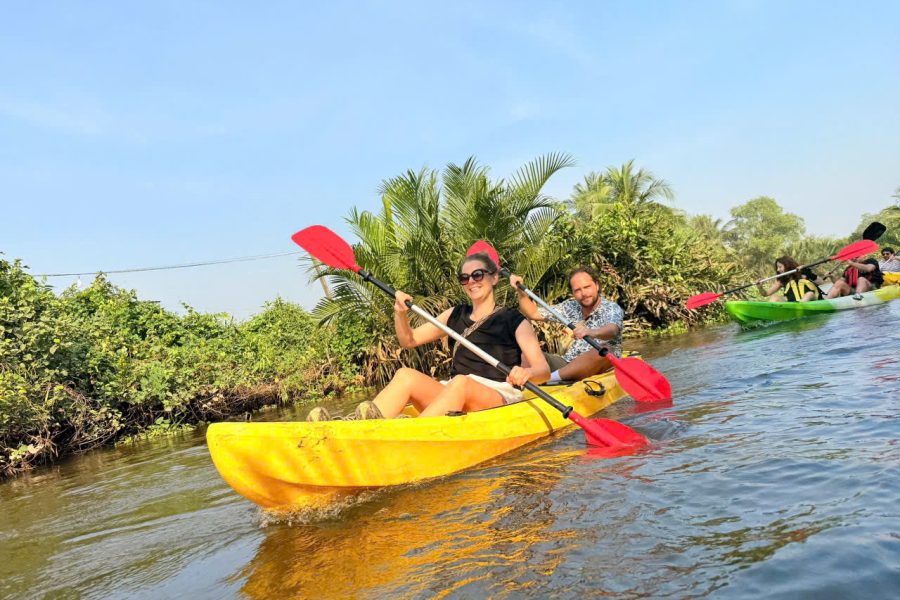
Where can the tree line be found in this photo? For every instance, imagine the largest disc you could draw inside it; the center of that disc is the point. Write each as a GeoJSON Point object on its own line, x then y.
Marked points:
{"type": "Point", "coordinates": [92, 366]}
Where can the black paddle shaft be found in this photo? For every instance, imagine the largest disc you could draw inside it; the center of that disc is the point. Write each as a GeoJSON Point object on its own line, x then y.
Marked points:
{"type": "Point", "coordinates": [562, 408]}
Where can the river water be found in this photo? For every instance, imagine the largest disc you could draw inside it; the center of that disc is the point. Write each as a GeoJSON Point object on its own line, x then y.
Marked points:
{"type": "Point", "coordinates": [776, 474]}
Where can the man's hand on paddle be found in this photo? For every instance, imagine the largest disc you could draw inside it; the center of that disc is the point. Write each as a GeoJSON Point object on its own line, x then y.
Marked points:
{"type": "Point", "coordinates": [581, 330]}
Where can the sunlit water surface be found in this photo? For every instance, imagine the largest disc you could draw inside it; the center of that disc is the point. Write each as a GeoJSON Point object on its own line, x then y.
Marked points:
{"type": "Point", "coordinates": [776, 473]}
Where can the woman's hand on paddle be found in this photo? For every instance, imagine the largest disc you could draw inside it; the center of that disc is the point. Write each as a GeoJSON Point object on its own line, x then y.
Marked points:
{"type": "Point", "coordinates": [519, 376]}
{"type": "Point", "coordinates": [400, 299]}
{"type": "Point", "coordinates": [515, 281]}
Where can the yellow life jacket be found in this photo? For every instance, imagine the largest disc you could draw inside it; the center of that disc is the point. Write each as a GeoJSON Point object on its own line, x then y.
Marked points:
{"type": "Point", "coordinates": [798, 287]}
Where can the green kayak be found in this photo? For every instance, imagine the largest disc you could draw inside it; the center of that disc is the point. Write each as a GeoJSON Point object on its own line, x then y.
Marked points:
{"type": "Point", "coordinates": [750, 313]}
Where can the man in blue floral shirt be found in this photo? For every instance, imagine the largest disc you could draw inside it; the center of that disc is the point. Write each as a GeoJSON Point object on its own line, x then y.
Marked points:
{"type": "Point", "coordinates": [594, 316]}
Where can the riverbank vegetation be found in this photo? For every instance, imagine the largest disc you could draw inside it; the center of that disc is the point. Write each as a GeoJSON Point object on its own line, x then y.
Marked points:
{"type": "Point", "coordinates": [90, 366]}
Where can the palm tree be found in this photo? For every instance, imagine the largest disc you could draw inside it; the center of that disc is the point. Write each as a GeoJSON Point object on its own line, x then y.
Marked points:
{"type": "Point", "coordinates": [707, 227]}
{"type": "Point", "coordinates": [637, 190]}
{"type": "Point", "coordinates": [426, 222]}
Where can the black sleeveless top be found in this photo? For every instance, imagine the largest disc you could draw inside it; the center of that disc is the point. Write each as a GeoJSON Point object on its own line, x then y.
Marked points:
{"type": "Point", "coordinates": [496, 336]}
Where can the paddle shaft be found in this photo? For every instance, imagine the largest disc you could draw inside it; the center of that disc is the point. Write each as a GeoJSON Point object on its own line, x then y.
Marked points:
{"type": "Point", "coordinates": [602, 349]}
{"type": "Point", "coordinates": [872, 233]}
{"type": "Point", "coordinates": [565, 410]}
{"type": "Point", "coordinates": [743, 287]}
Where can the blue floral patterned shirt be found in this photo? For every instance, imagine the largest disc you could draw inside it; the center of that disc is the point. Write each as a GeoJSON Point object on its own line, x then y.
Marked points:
{"type": "Point", "coordinates": [606, 312]}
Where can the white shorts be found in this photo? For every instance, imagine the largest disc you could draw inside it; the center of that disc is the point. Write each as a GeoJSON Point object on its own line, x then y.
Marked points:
{"type": "Point", "coordinates": [509, 393]}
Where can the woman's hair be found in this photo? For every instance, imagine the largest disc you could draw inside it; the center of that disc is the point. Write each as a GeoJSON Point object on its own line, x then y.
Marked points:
{"type": "Point", "coordinates": [489, 265]}
{"type": "Point", "coordinates": [789, 265]}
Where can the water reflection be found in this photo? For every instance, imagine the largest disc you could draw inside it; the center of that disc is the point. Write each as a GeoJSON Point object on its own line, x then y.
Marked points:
{"type": "Point", "coordinates": [774, 474]}
{"type": "Point", "coordinates": [422, 540]}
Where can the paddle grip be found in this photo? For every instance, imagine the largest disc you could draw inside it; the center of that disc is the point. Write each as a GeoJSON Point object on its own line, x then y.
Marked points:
{"type": "Point", "coordinates": [367, 276]}
{"type": "Point", "coordinates": [562, 408]}
{"type": "Point", "coordinates": [601, 348]}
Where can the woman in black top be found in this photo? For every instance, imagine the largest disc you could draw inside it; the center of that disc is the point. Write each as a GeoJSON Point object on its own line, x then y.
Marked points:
{"type": "Point", "coordinates": [474, 385]}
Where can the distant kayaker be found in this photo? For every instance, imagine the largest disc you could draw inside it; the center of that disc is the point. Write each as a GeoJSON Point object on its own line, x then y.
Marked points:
{"type": "Point", "coordinates": [889, 262]}
{"type": "Point", "coordinates": [792, 287]}
{"type": "Point", "coordinates": [473, 384]}
{"type": "Point", "coordinates": [594, 316]}
{"type": "Point", "coordinates": [859, 277]}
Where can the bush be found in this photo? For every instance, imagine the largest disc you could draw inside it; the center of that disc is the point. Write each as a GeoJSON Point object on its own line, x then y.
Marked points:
{"type": "Point", "coordinates": [94, 365]}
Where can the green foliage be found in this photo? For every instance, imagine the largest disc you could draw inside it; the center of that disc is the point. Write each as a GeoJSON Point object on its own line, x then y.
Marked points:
{"type": "Point", "coordinates": [650, 260]}
{"type": "Point", "coordinates": [427, 222]}
{"type": "Point", "coordinates": [600, 191]}
{"type": "Point", "coordinates": [890, 217]}
{"type": "Point", "coordinates": [707, 228]}
{"type": "Point", "coordinates": [92, 366]}
{"type": "Point", "coordinates": [759, 231]}
{"type": "Point", "coordinates": [95, 365]}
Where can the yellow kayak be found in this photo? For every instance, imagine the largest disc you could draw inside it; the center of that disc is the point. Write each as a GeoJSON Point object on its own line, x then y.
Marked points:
{"type": "Point", "coordinates": [296, 465]}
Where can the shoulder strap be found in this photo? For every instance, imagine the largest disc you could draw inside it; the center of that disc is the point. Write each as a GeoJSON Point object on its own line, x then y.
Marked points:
{"type": "Point", "coordinates": [795, 289]}
{"type": "Point", "coordinates": [471, 328]}
{"type": "Point", "coordinates": [811, 287]}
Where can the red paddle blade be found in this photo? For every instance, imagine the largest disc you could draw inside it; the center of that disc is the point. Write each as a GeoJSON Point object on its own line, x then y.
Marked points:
{"type": "Point", "coordinates": [326, 246]}
{"type": "Point", "coordinates": [483, 246]}
{"type": "Point", "coordinates": [855, 250]}
{"type": "Point", "coordinates": [641, 381]}
{"type": "Point", "coordinates": [702, 300]}
{"type": "Point", "coordinates": [609, 434]}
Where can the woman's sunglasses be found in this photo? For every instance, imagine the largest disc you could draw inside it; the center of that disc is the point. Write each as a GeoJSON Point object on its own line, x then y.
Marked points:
{"type": "Point", "coordinates": [476, 275]}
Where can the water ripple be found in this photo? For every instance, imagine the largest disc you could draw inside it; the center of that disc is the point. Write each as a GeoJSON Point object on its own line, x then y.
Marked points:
{"type": "Point", "coordinates": [775, 473]}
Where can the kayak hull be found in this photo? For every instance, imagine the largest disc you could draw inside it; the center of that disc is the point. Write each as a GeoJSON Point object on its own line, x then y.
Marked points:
{"type": "Point", "coordinates": [296, 465]}
{"type": "Point", "coordinates": [750, 313]}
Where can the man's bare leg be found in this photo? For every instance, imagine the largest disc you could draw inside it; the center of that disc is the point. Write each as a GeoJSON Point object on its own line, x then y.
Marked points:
{"type": "Point", "coordinates": [584, 365]}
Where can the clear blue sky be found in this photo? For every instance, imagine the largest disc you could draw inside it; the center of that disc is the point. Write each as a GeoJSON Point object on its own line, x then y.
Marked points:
{"type": "Point", "coordinates": [142, 134]}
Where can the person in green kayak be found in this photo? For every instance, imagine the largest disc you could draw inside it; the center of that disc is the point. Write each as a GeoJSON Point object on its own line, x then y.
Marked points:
{"type": "Point", "coordinates": [792, 287]}
{"type": "Point", "coordinates": [859, 277]}
{"type": "Point", "coordinates": [473, 384]}
{"type": "Point", "coordinates": [594, 316]}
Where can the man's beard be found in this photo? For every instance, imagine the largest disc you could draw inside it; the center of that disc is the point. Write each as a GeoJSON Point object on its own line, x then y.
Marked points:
{"type": "Point", "coordinates": [591, 304]}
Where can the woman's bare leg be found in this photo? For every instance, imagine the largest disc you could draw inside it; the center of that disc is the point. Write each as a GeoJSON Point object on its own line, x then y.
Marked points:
{"type": "Point", "coordinates": [863, 285]}
{"type": "Point", "coordinates": [464, 394]}
{"type": "Point", "coordinates": [840, 288]}
{"type": "Point", "coordinates": [407, 385]}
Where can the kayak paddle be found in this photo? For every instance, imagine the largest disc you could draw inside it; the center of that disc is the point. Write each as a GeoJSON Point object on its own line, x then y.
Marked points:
{"type": "Point", "coordinates": [329, 248]}
{"type": "Point", "coordinates": [874, 231]}
{"type": "Point", "coordinates": [854, 250]}
{"type": "Point", "coordinates": [641, 381]}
